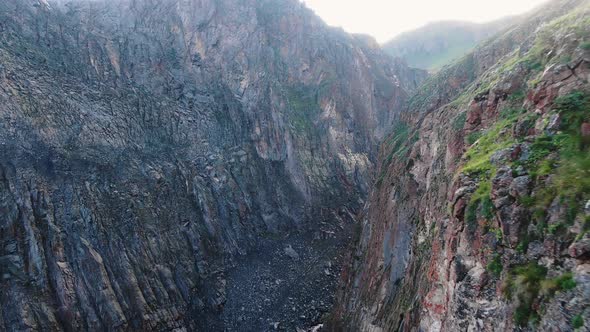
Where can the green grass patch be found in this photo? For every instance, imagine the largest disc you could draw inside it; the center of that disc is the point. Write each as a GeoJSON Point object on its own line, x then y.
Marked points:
{"type": "Point", "coordinates": [529, 287]}
{"type": "Point", "coordinates": [483, 191]}
{"type": "Point", "coordinates": [495, 265]}
{"type": "Point", "coordinates": [487, 206]}
{"type": "Point", "coordinates": [517, 96]}
{"type": "Point", "coordinates": [430, 91]}
{"type": "Point", "coordinates": [498, 233]}
{"type": "Point", "coordinates": [471, 213]}
{"type": "Point", "coordinates": [572, 180]}
{"type": "Point", "coordinates": [399, 142]}
{"type": "Point", "coordinates": [459, 121]}
{"type": "Point", "coordinates": [552, 229]}
{"type": "Point", "coordinates": [585, 228]}
{"type": "Point", "coordinates": [511, 113]}
{"type": "Point", "coordinates": [542, 147]}
{"type": "Point", "coordinates": [566, 156]}
{"type": "Point", "coordinates": [495, 139]}
{"type": "Point", "coordinates": [473, 137]}
{"type": "Point", "coordinates": [562, 283]}
{"type": "Point", "coordinates": [526, 201]}
{"type": "Point", "coordinates": [576, 23]}
{"type": "Point", "coordinates": [304, 105]}
{"type": "Point", "coordinates": [544, 168]}
{"type": "Point", "coordinates": [523, 245]}
{"type": "Point", "coordinates": [573, 106]}
{"type": "Point", "coordinates": [523, 285]}
{"type": "Point", "coordinates": [483, 146]}
{"type": "Point", "coordinates": [565, 282]}
{"type": "Point", "coordinates": [480, 203]}
{"type": "Point", "coordinates": [577, 321]}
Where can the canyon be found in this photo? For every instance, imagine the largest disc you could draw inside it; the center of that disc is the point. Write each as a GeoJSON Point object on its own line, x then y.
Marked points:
{"type": "Point", "coordinates": [238, 165]}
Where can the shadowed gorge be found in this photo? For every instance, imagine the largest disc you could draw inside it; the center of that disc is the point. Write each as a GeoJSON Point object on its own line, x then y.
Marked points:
{"type": "Point", "coordinates": [238, 165]}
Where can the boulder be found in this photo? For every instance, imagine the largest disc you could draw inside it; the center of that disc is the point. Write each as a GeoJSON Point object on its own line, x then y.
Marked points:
{"type": "Point", "coordinates": [291, 253]}
{"type": "Point", "coordinates": [580, 249]}
{"type": "Point", "coordinates": [520, 186]}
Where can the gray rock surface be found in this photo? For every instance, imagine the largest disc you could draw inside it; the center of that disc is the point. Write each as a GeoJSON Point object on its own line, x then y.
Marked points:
{"type": "Point", "coordinates": [148, 147]}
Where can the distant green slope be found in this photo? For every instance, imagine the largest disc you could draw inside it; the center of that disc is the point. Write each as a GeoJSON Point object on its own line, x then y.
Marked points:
{"type": "Point", "coordinates": [436, 44]}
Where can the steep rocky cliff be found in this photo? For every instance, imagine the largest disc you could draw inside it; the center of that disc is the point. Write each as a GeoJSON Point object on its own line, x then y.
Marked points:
{"type": "Point", "coordinates": [181, 164]}
{"type": "Point", "coordinates": [480, 214]}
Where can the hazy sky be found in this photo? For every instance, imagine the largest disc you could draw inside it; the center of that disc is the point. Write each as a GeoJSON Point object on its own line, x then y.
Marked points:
{"type": "Point", "coordinates": [383, 19]}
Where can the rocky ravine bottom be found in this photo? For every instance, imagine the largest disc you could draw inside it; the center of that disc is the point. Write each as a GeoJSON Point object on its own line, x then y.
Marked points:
{"type": "Point", "coordinates": [288, 283]}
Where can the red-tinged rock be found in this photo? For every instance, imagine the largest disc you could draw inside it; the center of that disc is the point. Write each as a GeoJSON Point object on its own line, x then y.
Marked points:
{"type": "Point", "coordinates": [551, 246]}
{"type": "Point", "coordinates": [474, 115]}
{"type": "Point", "coordinates": [455, 147]}
{"type": "Point", "coordinates": [459, 209]}
{"type": "Point", "coordinates": [515, 153]}
{"type": "Point", "coordinates": [448, 281]}
{"type": "Point", "coordinates": [435, 300]}
{"type": "Point", "coordinates": [580, 249]}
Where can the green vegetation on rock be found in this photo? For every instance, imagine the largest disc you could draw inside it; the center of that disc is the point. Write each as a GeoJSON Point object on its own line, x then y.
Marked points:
{"type": "Point", "coordinates": [400, 142]}
{"type": "Point", "coordinates": [495, 265]}
{"type": "Point", "coordinates": [529, 286]}
{"type": "Point", "coordinates": [577, 321]}
{"type": "Point", "coordinates": [397, 146]}
{"type": "Point", "coordinates": [566, 155]}
{"type": "Point", "coordinates": [459, 121]}
{"type": "Point", "coordinates": [436, 44]}
{"type": "Point", "coordinates": [304, 107]}
{"type": "Point", "coordinates": [473, 137]}
{"type": "Point", "coordinates": [524, 284]}
{"type": "Point", "coordinates": [494, 139]}
{"type": "Point", "coordinates": [428, 95]}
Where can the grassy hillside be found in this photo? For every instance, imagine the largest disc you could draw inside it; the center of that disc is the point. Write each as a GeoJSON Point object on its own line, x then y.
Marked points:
{"type": "Point", "coordinates": [436, 44]}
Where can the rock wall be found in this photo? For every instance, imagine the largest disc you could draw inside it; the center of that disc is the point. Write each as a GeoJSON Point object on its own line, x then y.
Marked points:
{"type": "Point", "coordinates": [479, 216]}
{"type": "Point", "coordinates": [148, 146]}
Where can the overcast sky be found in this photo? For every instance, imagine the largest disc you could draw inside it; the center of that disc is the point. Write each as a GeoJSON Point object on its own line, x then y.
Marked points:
{"type": "Point", "coordinates": [383, 19]}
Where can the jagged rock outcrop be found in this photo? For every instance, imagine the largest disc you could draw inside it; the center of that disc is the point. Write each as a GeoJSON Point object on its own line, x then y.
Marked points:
{"type": "Point", "coordinates": [146, 147]}
{"type": "Point", "coordinates": [479, 216]}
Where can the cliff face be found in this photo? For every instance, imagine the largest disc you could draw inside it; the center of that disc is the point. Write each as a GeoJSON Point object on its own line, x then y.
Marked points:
{"type": "Point", "coordinates": [152, 149]}
{"type": "Point", "coordinates": [479, 216]}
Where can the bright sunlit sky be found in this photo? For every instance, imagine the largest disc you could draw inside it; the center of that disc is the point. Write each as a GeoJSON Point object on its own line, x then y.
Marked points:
{"type": "Point", "coordinates": [384, 19]}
